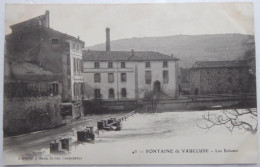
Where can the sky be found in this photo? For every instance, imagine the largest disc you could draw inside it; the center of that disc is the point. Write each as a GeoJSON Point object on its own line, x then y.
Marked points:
{"type": "Point", "coordinates": [88, 21]}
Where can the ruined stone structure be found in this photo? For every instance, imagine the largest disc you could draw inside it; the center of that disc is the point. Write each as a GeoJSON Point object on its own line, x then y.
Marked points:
{"type": "Point", "coordinates": [219, 77]}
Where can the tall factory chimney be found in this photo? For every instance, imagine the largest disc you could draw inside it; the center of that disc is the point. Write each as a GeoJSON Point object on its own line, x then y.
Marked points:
{"type": "Point", "coordinates": [108, 39]}
{"type": "Point", "coordinates": [47, 21]}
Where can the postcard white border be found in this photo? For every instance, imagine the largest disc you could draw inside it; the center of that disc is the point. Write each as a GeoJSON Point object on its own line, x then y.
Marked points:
{"type": "Point", "coordinates": [2, 35]}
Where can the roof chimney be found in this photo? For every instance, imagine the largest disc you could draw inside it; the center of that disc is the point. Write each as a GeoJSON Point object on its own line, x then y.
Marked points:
{"type": "Point", "coordinates": [78, 38]}
{"type": "Point", "coordinates": [108, 39]}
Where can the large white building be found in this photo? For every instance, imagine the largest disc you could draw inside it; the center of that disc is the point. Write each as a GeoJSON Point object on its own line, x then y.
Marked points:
{"type": "Point", "coordinates": [122, 74]}
{"type": "Point", "coordinates": [128, 74]}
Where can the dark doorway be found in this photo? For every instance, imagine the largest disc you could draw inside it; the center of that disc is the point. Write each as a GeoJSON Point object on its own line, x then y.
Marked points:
{"type": "Point", "coordinates": [157, 86]}
{"type": "Point", "coordinates": [123, 92]}
{"type": "Point", "coordinates": [111, 94]}
{"type": "Point", "coordinates": [97, 94]}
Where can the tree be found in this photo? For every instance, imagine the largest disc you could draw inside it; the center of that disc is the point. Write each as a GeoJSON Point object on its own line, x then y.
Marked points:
{"type": "Point", "coordinates": [241, 119]}
{"type": "Point", "coordinates": [153, 98]}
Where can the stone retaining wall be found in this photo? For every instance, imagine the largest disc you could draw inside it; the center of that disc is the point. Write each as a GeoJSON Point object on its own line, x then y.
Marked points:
{"type": "Point", "coordinates": [24, 115]}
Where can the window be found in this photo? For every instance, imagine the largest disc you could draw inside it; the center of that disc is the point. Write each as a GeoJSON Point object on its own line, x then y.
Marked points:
{"type": "Point", "coordinates": [165, 64]}
{"type": "Point", "coordinates": [96, 64]}
{"type": "Point", "coordinates": [81, 88]}
{"type": "Point", "coordinates": [123, 92]}
{"type": "Point", "coordinates": [122, 64]}
{"type": "Point", "coordinates": [76, 89]}
{"type": "Point", "coordinates": [110, 64]}
{"type": "Point", "coordinates": [81, 65]}
{"type": "Point", "coordinates": [111, 93]}
{"type": "Point", "coordinates": [165, 76]}
{"type": "Point", "coordinates": [110, 77]}
{"type": "Point", "coordinates": [147, 64]}
{"type": "Point", "coordinates": [97, 77]}
{"type": "Point", "coordinates": [77, 47]}
{"type": "Point", "coordinates": [54, 41]}
{"type": "Point", "coordinates": [74, 65]}
{"type": "Point", "coordinates": [73, 45]}
{"type": "Point", "coordinates": [55, 88]}
{"type": "Point", "coordinates": [148, 77]}
{"type": "Point", "coordinates": [123, 77]}
{"type": "Point", "coordinates": [97, 94]}
{"type": "Point", "coordinates": [77, 65]}
{"type": "Point", "coordinates": [157, 86]}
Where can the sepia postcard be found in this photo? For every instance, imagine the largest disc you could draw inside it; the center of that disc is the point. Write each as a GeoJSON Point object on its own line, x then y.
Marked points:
{"type": "Point", "coordinates": [119, 84]}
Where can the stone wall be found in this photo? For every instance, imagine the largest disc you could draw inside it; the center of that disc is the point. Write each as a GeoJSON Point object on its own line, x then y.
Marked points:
{"type": "Point", "coordinates": [220, 80]}
{"type": "Point", "coordinates": [100, 106]}
{"type": "Point", "coordinates": [24, 115]}
{"type": "Point", "coordinates": [195, 82]}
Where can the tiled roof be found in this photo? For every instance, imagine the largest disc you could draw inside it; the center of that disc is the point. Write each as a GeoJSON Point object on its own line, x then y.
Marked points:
{"type": "Point", "coordinates": [91, 55]}
{"type": "Point", "coordinates": [64, 35]}
{"type": "Point", "coordinates": [28, 71]}
{"type": "Point", "coordinates": [29, 22]}
{"type": "Point", "coordinates": [219, 64]}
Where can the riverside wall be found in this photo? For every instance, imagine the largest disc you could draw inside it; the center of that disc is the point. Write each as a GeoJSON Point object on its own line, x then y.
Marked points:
{"type": "Point", "coordinates": [24, 115]}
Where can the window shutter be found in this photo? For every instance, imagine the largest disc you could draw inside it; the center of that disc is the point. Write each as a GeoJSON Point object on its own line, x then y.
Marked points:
{"type": "Point", "coordinates": [82, 65]}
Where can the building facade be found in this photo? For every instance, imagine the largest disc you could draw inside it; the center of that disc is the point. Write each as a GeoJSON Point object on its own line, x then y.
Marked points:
{"type": "Point", "coordinates": [121, 75]}
{"type": "Point", "coordinates": [219, 77]}
{"type": "Point", "coordinates": [34, 50]}
{"type": "Point", "coordinates": [128, 74]}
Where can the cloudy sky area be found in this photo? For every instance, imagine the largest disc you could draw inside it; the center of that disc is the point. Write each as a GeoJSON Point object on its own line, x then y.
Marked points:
{"type": "Point", "coordinates": [139, 20]}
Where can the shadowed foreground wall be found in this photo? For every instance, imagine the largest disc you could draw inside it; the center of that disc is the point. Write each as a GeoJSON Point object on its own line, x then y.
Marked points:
{"type": "Point", "coordinates": [23, 115]}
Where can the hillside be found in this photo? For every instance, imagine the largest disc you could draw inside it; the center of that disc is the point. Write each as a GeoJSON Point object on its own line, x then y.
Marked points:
{"type": "Point", "coordinates": [188, 48]}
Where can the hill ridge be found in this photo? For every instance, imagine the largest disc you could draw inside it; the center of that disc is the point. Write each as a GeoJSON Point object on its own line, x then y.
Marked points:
{"type": "Point", "coordinates": [188, 48]}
